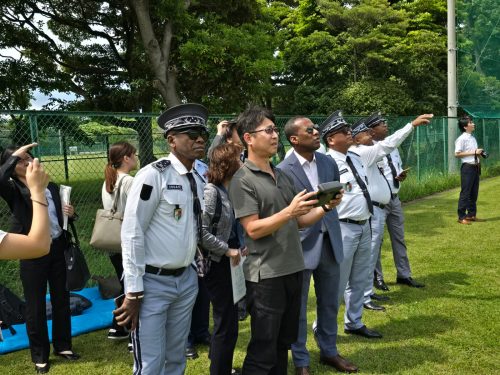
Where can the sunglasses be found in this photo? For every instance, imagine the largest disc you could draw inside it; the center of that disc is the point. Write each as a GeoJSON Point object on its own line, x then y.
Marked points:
{"type": "Point", "coordinates": [194, 134]}
{"type": "Point", "coordinates": [311, 129]}
{"type": "Point", "coordinates": [345, 130]}
{"type": "Point", "coordinates": [269, 130]}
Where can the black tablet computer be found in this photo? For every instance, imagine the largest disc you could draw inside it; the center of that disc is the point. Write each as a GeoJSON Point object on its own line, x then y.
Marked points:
{"type": "Point", "coordinates": [326, 192]}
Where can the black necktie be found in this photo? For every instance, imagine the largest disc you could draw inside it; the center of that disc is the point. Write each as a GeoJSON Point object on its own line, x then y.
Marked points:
{"type": "Point", "coordinates": [393, 171]}
{"type": "Point", "coordinates": [361, 184]}
{"type": "Point", "coordinates": [196, 203]}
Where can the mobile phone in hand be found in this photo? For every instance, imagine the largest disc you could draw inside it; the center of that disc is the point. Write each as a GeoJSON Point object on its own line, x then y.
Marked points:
{"type": "Point", "coordinates": [119, 300]}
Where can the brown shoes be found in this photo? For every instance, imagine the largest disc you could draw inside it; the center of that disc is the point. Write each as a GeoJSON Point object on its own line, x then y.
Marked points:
{"type": "Point", "coordinates": [464, 221]}
{"type": "Point", "coordinates": [339, 363]}
{"type": "Point", "coordinates": [302, 371]}
{"type": "Point", "coordinates": [473, 218]}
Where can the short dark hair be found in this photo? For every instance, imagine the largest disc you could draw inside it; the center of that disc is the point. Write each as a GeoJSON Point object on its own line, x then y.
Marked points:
{"type": "Point", "coordinates": [463, 122]}
{"type": "Point", "coordinates": [224, 162]}
{"type": "Point", "coordinates": [291, 127]}
{"type": "Point", "coordinates": [252, 117]}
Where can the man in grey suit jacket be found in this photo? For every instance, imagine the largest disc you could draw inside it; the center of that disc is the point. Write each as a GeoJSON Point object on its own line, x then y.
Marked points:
{"type": "Point", "coordinates": [321, 246]}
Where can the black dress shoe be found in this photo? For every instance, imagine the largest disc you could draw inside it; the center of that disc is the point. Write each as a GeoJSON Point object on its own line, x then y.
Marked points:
{"type": "Point", "coordinates": [409, 281]}
{"type": "Point", "coordinates": [72, 356]}
{"type": "Point", "coordinates": [191, 352]}
{"type": "Point", "coordinates": [373, 306]}
{"type": "Point", "coordinates": [378, 297]}
{"type": "Point", "coordinates": [42, 370]}
{"type": "Point", "coordinates": [380, 284]}
{"type": "Point", "coordinates": [365, 332]}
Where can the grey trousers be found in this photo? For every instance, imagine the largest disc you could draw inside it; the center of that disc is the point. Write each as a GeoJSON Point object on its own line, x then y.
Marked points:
{"type": "Point", "coordinates": [326, 286]}
{"type": "Point", "coordinates": [354, 271]}
{"type": "Point", "coordinates": [395, 225]}
{"type": "Point", "coordinates": [378, 225]}
{"type": "Point", "coordinates": [164, 320]}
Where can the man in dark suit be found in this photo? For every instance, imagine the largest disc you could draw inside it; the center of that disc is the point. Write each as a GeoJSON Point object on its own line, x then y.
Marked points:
{"type": "Point", "coordinates": [321, 246]}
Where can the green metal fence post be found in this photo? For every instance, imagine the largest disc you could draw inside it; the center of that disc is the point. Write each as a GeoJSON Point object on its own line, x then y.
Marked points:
{"type": "Point", "coordinates": [34, 133]}
{"type": "Point", "coordinates": [65, 156]}
{"type": "Point", "coordinates": [418, 153]}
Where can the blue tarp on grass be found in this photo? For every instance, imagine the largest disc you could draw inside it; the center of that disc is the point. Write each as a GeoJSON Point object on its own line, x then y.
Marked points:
{"type": "Point", "coordinates": [98, 316]}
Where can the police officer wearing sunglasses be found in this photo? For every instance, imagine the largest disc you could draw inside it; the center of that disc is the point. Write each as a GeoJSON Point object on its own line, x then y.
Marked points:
{"type": "Point", "coordinates": [160, 232]}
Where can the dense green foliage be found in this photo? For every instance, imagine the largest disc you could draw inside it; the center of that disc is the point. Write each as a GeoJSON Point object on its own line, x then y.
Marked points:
{"type": "Point", "coordinates": [295, 56]}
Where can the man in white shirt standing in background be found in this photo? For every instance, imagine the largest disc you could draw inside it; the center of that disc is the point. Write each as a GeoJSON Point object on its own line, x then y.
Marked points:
{"type": "Point", "coordinates": [466, 149]}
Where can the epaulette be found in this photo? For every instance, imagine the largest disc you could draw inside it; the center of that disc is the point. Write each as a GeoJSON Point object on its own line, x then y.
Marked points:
{"type": "Point", "coordinates": [161, 165]}
{"type": "Point", "coordinates": [352, 152]}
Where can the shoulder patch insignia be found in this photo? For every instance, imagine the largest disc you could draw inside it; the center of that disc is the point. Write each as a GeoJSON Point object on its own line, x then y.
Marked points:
{"type": "Point", "coordinates": [146, 192]}
{"type": "Point", "coordinates": [161, 165]}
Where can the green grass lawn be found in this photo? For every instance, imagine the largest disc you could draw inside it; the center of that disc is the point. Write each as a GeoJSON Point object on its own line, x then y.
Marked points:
{"type": "Point", "coordinates": [449, 327]}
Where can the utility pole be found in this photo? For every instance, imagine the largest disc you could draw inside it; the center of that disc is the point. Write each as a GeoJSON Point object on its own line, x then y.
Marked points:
{"type": "Point", "coordinates": [452, 87]}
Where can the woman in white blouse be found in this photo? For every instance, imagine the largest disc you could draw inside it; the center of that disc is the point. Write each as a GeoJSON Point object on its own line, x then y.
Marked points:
{"type": "Point", "coordinates": [121, 160]}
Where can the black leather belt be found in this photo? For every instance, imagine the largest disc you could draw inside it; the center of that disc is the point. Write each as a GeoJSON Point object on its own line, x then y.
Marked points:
{"type": "Point", "coordinates": [380, 205]}
{"type": "Point", "coordinates": [360, 222]}
{"type": "Point", "coordinates": [164, 271]}
{"type": "Point", "coordinates": [394, 196]}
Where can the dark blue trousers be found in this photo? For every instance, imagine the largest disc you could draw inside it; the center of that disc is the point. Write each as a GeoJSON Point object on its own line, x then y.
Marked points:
{"type": "Point", "coordinates": [470, 187]}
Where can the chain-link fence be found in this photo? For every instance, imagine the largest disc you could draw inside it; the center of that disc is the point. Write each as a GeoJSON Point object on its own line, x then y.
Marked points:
{"type": "Point", "coordinates": [73, 148]}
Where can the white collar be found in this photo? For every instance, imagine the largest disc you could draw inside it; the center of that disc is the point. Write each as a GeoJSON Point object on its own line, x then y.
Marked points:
{"type": "Point", "coordinates": [337, 155]}
{"type": "Point", "coordinates": [178, 166]}
{"type": "Point", "coordinates": [303, 160]}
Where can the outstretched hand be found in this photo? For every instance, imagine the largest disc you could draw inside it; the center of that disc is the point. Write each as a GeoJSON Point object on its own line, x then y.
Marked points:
{"type": "Point", "coordinates": [422, 119]}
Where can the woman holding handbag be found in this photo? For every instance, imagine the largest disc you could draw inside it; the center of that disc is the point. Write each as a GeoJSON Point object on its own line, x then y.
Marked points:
{"type": "Point", "coordinates": [121, 160]}
{"type": "Point", "coordinates": [51, 268]}
{"type": "Point", "coordinates": [219, 230]}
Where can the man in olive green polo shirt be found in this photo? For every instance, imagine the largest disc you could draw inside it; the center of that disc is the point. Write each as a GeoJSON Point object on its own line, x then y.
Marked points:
{"type": "Point", "coordinates": [270, 211]}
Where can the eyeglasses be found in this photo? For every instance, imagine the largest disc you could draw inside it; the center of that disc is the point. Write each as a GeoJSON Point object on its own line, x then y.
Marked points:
{"type": "Point", "coordinates": [345, 130]}
{"type": "Point", "coordinates": [269, 130]}
{"type": "Point", "coordinates": [194, 134]}
{"type": "Point", "coordinates": [311, 129]}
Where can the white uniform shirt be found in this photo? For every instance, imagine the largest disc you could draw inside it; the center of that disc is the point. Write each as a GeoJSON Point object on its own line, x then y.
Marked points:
{"type": "Point", "coordinates": [353, 204]}
{"type": "Point", "coordinates": [310, 169]}
{"type": "Point", "coordinates": [2, 235]}
{"type": "Point", "coordinates": [372, 158]}
{"type": "Point", "coordinates": [467, 142]}
{"type": "Point", "coordinates": [398, 165]}
{"type": "Point", "coordinates": [153, 232]}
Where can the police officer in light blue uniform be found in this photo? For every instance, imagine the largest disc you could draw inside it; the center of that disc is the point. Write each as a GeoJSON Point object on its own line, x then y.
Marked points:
{"type": "Point", "coordinates": [354, 212]}
{"type": "Point", "coordinates": [372, 156]}
{"type": "Point", "coordinates": [160, 232]}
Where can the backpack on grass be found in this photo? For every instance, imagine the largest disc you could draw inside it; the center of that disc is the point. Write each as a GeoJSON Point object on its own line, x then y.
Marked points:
{"type": "Point", "coordinates": [11, 309]}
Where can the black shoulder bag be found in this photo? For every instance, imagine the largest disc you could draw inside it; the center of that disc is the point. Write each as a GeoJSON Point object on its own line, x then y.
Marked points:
{"type": "Point", "coordinates": [77, 271]}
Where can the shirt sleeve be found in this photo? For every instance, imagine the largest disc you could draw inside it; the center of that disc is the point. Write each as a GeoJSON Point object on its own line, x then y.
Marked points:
{"type": "Point", "coordinates": [373, 154]}
{"type": "Point", "coordinates": [459, 145]}
{"type": "Point", "coordinates": [143, 200]}
{"type": "Point", "coordinates": [243, 197]}
{"type": "Point", "coordinates": [209, 241]}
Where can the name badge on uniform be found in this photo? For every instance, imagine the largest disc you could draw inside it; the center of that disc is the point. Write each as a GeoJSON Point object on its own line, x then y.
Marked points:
{"type": "Point", "coordinates": [177, 212]}
{"type": "Point", "coordinates": [174, 187]}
